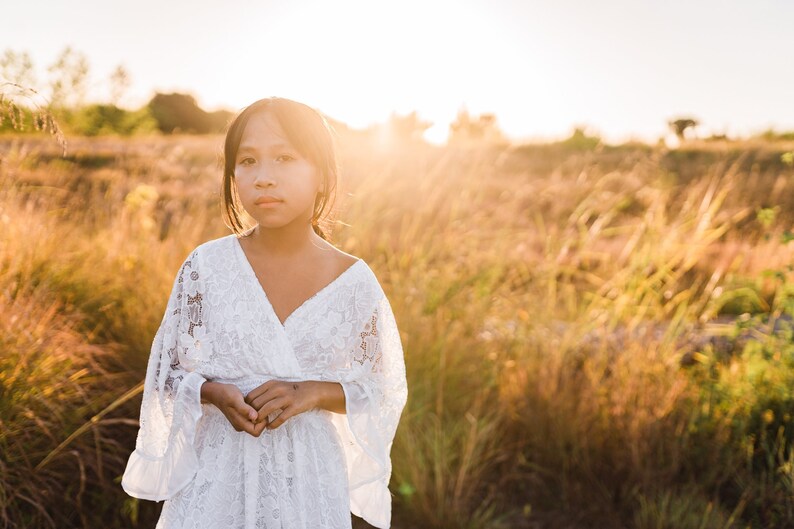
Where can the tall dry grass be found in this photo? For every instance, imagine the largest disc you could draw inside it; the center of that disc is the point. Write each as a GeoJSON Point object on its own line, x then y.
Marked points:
{"type": "Point", "coordinates": [556, 306]}
{"type": "Point", "coordinates": [82, 276]}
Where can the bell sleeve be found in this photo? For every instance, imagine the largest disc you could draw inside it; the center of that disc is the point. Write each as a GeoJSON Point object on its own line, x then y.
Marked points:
{"type": "Point", "coordinates": [164, 459]}
{"type": "Point", "coordinates": [375, 393]}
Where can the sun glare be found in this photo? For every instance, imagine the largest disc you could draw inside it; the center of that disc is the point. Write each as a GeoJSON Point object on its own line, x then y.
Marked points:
{"type": "Point", "coordinates": [359, 69]}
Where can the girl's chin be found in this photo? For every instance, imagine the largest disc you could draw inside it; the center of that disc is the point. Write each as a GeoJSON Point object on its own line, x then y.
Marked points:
{"type": "Point", "coordinates": [272, 223]}
{"type": "Point", "coordinates": [275, 218]}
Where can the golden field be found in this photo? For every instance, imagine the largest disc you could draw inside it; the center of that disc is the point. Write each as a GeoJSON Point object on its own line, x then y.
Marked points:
{"type": "Point", "coordinates": [595, 336]}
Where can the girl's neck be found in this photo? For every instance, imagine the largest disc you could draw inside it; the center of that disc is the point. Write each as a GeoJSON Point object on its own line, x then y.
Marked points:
{"type": "Point", "coordinates": [284, 242]}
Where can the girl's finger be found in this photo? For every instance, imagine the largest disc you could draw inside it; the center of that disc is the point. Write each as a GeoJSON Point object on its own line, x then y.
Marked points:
{"type": "Point", "coordinates": [260, 390]}
{"type": "Point", "coordinates": [237, 422]}
{"type": "Point", "coordinates": [240, 420]}
{"type": "Point", "coordinates": [288, 412]}
{"type": "Point", "coordinates": [254, 393]}
{"type": "Point", "coordinates": [259, 428]}
{"type": "Point", "coordinates": [245, 411]}
{"type": "Point", "coordinates": [261, 400]}
{"type": "Point", "coordinates": [270, 407]}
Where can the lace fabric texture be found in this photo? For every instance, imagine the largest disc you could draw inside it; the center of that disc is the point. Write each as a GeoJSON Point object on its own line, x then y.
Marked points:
{"type": "Point", "coordinates": [317, 467]}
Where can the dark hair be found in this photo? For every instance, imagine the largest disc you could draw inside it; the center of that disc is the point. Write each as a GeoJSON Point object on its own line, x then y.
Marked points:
{"type": "Point", "coordinates": [307, 131]}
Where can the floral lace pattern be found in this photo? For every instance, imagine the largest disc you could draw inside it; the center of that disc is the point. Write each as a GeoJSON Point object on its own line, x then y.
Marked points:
{"type": "Point", "coordinates": [317, 467]}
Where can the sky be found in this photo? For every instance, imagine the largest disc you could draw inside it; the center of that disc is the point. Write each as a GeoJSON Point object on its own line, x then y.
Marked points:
{"type": "Point", "coordinates": [619, 68]}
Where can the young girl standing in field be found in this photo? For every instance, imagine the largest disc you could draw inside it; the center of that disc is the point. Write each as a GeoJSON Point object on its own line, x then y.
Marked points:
{"type": "Point", "coordinates": [276, 379]}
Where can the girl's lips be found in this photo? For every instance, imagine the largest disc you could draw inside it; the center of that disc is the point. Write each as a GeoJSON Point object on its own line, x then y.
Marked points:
{"type": "Point", "coordinates": [267, 201]}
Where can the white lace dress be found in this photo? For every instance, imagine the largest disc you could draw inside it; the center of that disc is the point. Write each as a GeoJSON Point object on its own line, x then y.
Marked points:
{"type": "Point", "coordinates": [317, 467]}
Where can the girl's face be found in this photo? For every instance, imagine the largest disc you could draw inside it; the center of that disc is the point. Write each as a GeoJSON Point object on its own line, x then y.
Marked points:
{"type": "Point", "coordinates": [277, 186]}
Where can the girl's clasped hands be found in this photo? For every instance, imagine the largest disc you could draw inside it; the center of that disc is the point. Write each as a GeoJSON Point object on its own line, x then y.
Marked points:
{"type": "Point", "coordinates": [250, 413]}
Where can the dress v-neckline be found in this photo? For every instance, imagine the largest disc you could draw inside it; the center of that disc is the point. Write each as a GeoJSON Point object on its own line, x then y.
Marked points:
{"type": "Point", "coordinates": [252, 272]}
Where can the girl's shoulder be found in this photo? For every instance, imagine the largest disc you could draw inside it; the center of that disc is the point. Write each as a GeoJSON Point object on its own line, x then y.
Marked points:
{"type": "Point", "coordinates": [212, 256]}
{"type": "Point", "coordinates": [213, 246]}
{"type": "Point", "coordinates": [356, 268]}
{"type": "Point", "coordinates": [344, 261]}
{"type": "Point", "coordinates": [354, 273]}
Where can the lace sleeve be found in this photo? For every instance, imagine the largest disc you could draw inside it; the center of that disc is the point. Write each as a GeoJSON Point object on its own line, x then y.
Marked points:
{"type": "Point", "coordinates": [164, 459]}
{"type": "Point", "coordinates": [375, 394]}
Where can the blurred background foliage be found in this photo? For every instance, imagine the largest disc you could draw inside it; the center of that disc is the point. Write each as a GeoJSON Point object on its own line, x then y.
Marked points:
{"type": "Point", "coordinates": [595, 335]}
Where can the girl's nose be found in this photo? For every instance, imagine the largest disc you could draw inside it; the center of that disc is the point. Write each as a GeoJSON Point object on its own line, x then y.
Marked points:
{"type": "Point", "coordinates": [264, 177]}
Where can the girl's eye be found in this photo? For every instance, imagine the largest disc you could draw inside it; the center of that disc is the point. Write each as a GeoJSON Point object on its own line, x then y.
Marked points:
{"type": "Point", "coordinates": [287, 156]}
{"type": "Point", "coordinates": [247, 161]}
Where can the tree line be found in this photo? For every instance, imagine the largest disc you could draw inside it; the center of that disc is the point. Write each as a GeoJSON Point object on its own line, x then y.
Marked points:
{"type": "Point", "coordinates": [26, 104]}
{"type": "Point", "coordinates": [60, 104]}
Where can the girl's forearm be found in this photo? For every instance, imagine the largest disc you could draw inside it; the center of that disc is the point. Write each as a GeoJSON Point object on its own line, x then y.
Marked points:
{"type": "Point", "coordinates": [328, 395]}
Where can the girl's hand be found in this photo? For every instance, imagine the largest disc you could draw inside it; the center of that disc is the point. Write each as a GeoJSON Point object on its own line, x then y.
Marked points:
{"type": "Point", "coordinates": [293, 398]}
{"type": "Point", "coordinates": [229, 399]}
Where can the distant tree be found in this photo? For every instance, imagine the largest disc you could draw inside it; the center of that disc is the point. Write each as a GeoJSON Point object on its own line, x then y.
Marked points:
{"type": "Point", "coordinates": [679, 126]}
{"type": "Point", "coordinates": [119, 83]}
{"type": "Point", "coordinates": [219, 119]}
{"type": "Point", "coordinates": [773, 135]}
{"type": "Point", "coordinates": [96, 119]}
{"type": "Point", "coordinates": [482, 128]}
{"type": "Point", "coordinates": [409, 127]}
{"type": "Point", "coordinates": [581, 141]}
{"type": "Point", "coordinates": [17, 68]}
{"type": "Point", "coordinates": [68, 79]}
{"type": "Point", "coordinates": [180, 113]}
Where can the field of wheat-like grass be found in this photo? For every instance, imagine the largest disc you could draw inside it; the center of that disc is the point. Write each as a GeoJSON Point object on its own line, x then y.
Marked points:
{"type": "Point", "coordinates": [593, 337]}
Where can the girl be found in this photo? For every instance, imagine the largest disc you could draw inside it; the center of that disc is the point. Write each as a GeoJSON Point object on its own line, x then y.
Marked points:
{"type": "Point", "coordinates": [276, 378]}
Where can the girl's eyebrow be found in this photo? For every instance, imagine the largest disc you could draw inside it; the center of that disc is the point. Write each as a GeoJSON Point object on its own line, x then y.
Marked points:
{"type": "Point", "coordinates": [275, 146]}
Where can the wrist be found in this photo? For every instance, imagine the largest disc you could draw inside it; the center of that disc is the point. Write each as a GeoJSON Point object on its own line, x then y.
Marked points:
{"type": "Point", "coordinates": [326, 395]}
{"type": "Point", "coordinates": [313, 392]}
{"type": "Point", "coordinates": [210, 392]}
